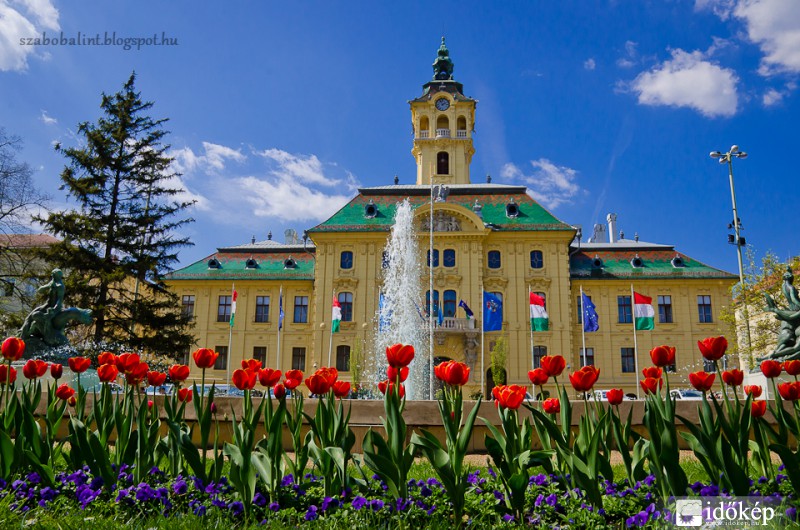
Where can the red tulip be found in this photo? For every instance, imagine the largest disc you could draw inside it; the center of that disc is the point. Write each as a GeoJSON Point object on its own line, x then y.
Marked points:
{"type": "Point", "coordinates": [758, 409]}
{"type": "Point", "coordinates": [205, 357]}
{"type": "Point", "coordinates": [292, 379]}
{"type": "Point", "coordinates": [127, 362]}
{"type": "Point", "coordinates": [553, 365]}
{"type": "Point", "coordinates": [538, 376]}
{"type": "Point", "coordinates": [150, 403]}
{"type": "Point", "coordinates": [269, 377]}
{"type": "Point", "coordinates": [64, 392]}
{"type": "Point", "coordinates": [136, 374]}
{"type": "Point", "coordinates": [789, 391]}
{"type": "Point", "coordinates": [13, 348]}
{"type": "Point", "coordinates": [156, 378]}
{"type": "Point", "coordinates": [107, 372]}
{"type": "Point", "coordinates": [663, 355]}
{"type": "Point", "coordinates": [178, 373]}
{"type": "Point", "coordinates": [393, 373]}
{"type": "Point", "coordinates": [56, 371]}
{"type": "Point", "coordinates": [733, 377]}
{"type": "Point", "coordinates": [584, 379]}
{"type": "Point", "coordinates": [650, 385]}
{"type": "Point", "coordinates": [318, 384]}
{"type": "Point", "coordinates": [770, 368]}
{"type": "Point", "coordinates": [509, 396]}
{"type": "Point", "coordinates": [453, 373]}
{"type": "Point", "coordinates": [400, 355]}
{"type": "Point", "coordinates": [384, 385]}
{"type": "Point", "coordinates": [34, 369]}
{"type": "Point", "coordinates": [4, 371]}
{"type": "Point", "coordinates": [251, 364]}
{"type": "Point", "coordinates": [72, 401]}
{"type": "Point", "coordinates": [713, 348]}
{"type": "Point", "coordinates": [792, 367]}
{"type": "Point", "coordinates": [652, 371]}
{"type": "Point", "coordinates": [330, 374]}
{"type": "Point", "coordinates": [341, 389]}
{"type": "Point", "coordinates": [552, 405]}
{"type": "Point", "coordinates": [615, 396]}
{"type": "Point", "coordinates": [244, 379]}
{"type": "Point", "coordinates": [106, 358]}
{"type": "Point", "coordinates": [185, 395]}
{"type": "Point", "coordinates": [702, 381]}
{"type": "Point", "coordinates": [753, 390]}
{"type": "Point", "coordinates": [279, 391]}
{"type": "Point", "coordinates": [79, 364]}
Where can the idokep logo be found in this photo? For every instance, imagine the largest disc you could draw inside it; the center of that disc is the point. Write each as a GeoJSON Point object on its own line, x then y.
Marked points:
{"type": "Point", "coordinates": [728, 512]}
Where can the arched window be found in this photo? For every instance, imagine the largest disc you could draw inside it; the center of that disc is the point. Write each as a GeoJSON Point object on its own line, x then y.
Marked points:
{"type": "Point", "coordinates": [449, 257]}
{"type": "Point", "coordinates": [346, 260]}
{"type": "Point", "coordinates": [435, 302]}
{"type": "Point", "coordinates": [346, 301]}
{"type": "Point", "coordinates": [343, 358]}
{"type": "Point", "coordinates": [424, 127]}
{"type": "Point", "coordinates": [443, 122]}
{"type": "Point", "coordinates": [435, 258]}
{"type": "Point", "coordinates": [537, 259]}
{"type": "Point", "coordinates": [449, 308]}
{"type": "Point", "coordinates": [493, 259]}
{"type": "Point", "coordinates": [442, 163]}
{"type": "Point", "coordinates": [461, 123]}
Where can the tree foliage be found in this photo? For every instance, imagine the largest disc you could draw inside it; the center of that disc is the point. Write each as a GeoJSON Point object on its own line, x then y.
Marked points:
{"type": "Point", "coordinates": [498, 357]}
{"type": "Point", "coordinates": [123, 236]}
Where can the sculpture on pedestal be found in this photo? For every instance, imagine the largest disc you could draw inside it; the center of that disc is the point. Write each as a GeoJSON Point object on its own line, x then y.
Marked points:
{"type": "Point", "coordinates": [48, 321]}
{"type": "Point", "coordinates": [788, 345]}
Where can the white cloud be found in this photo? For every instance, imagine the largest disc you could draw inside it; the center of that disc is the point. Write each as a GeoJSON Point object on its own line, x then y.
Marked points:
{"type": "Point", "coordinates": [631, 55]}
{"type": "Point", "coordinates": [774, 97]}
{"type": "Point", "coordinates": [304, 168]}
{"type": "Point", "coordinates": [47, 119]}
{"type": "Point", "coordinates": [288, 200]}
{"type": "Point", "coordinates": [589, 64]}
{"type": "Point", "coordinates": [20, 19]}
{"type": "Point", "coordinates": [689, 79]}
{"type": "Point", "coordinates": [774, 25]}
{"type": "Point", "coordinates": [721, 8]}
{"type": "Point", "coordinates": [213, 158]}
{"type": "Point", "coordinates": [549, 184]}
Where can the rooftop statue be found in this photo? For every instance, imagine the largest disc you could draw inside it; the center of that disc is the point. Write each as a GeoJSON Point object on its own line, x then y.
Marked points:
{"type": "Point", "coordinates": [788, 346]}
{"type": "Point", "coordinates": [48, 321]}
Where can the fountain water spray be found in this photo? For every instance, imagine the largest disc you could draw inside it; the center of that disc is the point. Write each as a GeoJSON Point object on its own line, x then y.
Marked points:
{"type": "Point", "coordinates": [400, 318]}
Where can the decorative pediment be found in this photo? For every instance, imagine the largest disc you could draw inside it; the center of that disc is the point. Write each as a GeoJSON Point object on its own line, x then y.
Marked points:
{"type": "Point", "coordinates": [442, 222]}
{"type": "Point", "coordinates": [538, 284]}
{"type": "Point", "coordinates": [345, 284]}
{"type": "Point", "coordinates": [494, 284]}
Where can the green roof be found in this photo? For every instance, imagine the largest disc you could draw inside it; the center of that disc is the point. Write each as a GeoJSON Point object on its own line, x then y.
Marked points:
{"type": "Point", "coordinates": [233, 266]}
{"type": "Point", "coordinates": [492, 198]}
{"type": "Point", "coordinates": [655, 264]}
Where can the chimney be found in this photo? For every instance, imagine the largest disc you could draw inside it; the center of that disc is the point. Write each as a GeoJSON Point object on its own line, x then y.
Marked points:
{"type": "Point", "coordinates": [612, 227]}
{"type": "Point", "coordinates": [290, 236]}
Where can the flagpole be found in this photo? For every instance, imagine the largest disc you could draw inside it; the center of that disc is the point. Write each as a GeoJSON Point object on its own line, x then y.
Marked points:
{"type": "Point", "coordinates": [230, 337]}
{"type": "Point", "coordinates": [483, 326]}
{"type": "Point", "coordinates": [430, 291]}
{"type": "Point", "coordinates": [533, 357]}
{"type": "Point", "coordinates": [635, 345]}
{"type": "Point", "coordinates": [280, 326]}
{"type": "Point", "coordinates": [330, 341]}
{"type": "Point", "coordinates": [583, 330]}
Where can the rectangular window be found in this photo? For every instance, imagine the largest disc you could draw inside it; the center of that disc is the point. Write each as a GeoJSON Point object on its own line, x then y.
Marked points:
{"type": "Point", "coordinates": [537, 259]}
{"type": "Point", "coordinates": [628, 361]}
{"type": "Point", "coordinates": [449, 257]}
{"type": "Point", "coordinates": [538, 353]}
{"type": "Point", "coordinates": [493, 259]}
{"type": "Point", "coordinates": [589, 357]}
{"type": "Point", "coordinates": [222, 359]}
{"type": "Point", "coordinates": [300, 309]}
{"type": "Point", "coordinates": [704, 308]}
{"type": "Point", "coordinates": [299, 359]}
{"type": "Point", "coordinates": [346, 304]}
{"type": "Point", "coordinates": [624, 310]}
{"type": "Point", "coordinates": [343, 358]}
{"type": "Point", "coordinates": [262, 308]}
{"type": "Point", "coordinates": [435, 258]}
{"type": "Point", "coordinates": [224, 308]}
{"type": "Point", "coordinates": [665, 309]}
{"type": "Point", "coordinates": [449, 303]}
{"type": "Point", "coordinates": [260, 354]}
{"type": "Point", "coordinates": [187, 305]}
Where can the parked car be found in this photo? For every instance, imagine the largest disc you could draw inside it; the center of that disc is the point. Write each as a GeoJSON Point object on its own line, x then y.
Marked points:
{"type": "Point", "coordinates": [694, 395]}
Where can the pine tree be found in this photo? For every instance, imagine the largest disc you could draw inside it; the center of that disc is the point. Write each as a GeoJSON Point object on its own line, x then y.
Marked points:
{"type": "Point", "coordinates": [123, 235]}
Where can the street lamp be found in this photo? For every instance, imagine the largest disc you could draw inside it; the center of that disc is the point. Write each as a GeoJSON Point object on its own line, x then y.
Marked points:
{"type": "Point", "coordinates": [727, 158]}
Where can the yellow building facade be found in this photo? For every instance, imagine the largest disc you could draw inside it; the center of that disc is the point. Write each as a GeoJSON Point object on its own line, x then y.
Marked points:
{"type": "Point", "coordinates": [487, 237]}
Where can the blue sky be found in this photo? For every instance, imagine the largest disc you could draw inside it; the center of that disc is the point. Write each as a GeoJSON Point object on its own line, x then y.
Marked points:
{"type": "Point", "coordinates": [280, 110]}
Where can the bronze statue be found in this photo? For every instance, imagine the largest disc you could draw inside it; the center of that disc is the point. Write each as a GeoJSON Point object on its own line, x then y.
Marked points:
{"type": "Point", "coordinates": [788, 345]}
{"type": "Point", "coordinates": [48, 321]}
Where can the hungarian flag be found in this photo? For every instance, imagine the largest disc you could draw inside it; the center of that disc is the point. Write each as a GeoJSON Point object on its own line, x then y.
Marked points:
{"type": "Point", "coordinates": [539, 319]}
{"type": "Point", "coordinates": [336, 316]}
{"type": "Point", "coordinates": [233, 305]}
{"type": "Point", "coordinates": [643, 311]}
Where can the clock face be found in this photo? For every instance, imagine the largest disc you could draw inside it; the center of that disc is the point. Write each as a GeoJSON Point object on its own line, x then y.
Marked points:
{"type": "Point", "coordinates": [442, 104]}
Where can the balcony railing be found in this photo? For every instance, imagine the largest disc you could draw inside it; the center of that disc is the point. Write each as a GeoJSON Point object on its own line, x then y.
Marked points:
{"type": "Point", "coordinates": [424, 134]}
{"type": "Point", "coordinates": [455, 325]}
{"type": "Point", "coordinates": [461, 134]}
{"type": "Point", "coordinates": [442, 133]}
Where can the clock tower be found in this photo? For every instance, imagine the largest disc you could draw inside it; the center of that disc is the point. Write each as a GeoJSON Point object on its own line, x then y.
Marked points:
{"type": "Point", "coordinates": [443, 119]}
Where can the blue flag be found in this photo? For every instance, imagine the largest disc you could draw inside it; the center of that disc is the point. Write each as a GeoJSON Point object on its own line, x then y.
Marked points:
{"type": "Point", "coordinates": [492, 312]}
{"type": "Point", "coordinates": [462, 304]}
{"type": "Point", "coordinates": [439, 315]}
{"type": "Point", "coordinates": [280, 310]}
{"type": "Point", "coordinates": [590, 319]}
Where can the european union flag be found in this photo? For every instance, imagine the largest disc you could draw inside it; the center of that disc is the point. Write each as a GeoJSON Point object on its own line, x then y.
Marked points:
{"type": "Point", "coordinates": [492, 312]}
{"type": "Point", "coordinates": [590, 318]}
{"type": "Point", "coordinates": [439, 315]}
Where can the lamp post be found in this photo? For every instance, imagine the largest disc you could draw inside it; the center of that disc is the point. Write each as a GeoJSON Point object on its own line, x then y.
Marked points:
{"type": "Point", "coordinates": [727, 158]}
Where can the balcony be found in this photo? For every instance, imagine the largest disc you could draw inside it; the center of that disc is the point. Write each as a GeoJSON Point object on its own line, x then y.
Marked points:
{"type": "Point", "coordinates": [425, 134]}
{"type": "Point", "coordinates": [461, 134]}
{"type": "Point", "coordinates": [442, 133]}
{"type": "Point", "coordinates": [455, 325]}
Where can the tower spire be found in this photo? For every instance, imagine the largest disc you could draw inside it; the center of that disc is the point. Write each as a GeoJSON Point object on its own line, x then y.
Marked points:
{"type": "Point", "coordinates": [443, 65]}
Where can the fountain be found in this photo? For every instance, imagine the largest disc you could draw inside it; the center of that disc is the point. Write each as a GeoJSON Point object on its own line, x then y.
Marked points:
{"type": "Point", "coordinates": [400, 316]}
